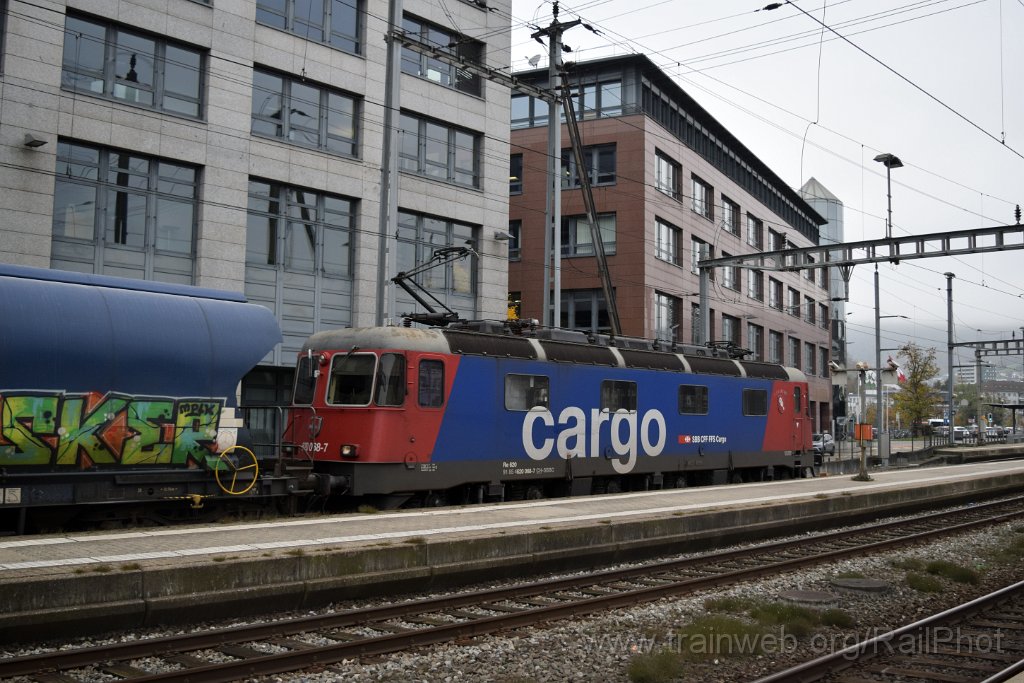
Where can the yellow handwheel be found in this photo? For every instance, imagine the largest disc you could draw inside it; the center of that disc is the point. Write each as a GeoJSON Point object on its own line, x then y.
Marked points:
{"type": "Point", "coordinates": [245, 463]}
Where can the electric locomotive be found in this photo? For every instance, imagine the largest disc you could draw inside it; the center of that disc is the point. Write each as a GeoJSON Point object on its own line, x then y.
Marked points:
{"type": "Point", "coordinates": [486, 411]}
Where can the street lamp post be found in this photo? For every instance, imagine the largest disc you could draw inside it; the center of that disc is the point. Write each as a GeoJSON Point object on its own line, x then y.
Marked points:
{"type": "Point", "coordinates": [890, 161]}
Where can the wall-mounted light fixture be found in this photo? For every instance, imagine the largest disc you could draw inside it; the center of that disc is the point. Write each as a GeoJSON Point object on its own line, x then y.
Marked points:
{"type": "Point", "coordinates": [33, 141]}
{"type": "Point", "coordinates": [502, 236]}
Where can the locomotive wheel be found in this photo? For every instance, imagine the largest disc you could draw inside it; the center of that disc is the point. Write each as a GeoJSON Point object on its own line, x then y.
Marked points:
{"type": "Point", "coordinates": [534, 492]}
{"type": "Point", "coordinates": [614, 486]}
{"type": "Point", "coordinates": [231, 465]}
{"type": "Point", "coordinates": [434, 500]}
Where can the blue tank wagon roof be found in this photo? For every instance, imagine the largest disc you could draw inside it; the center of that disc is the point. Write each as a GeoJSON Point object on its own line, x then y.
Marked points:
{"type": "Point", "coordinates": [77, 332]}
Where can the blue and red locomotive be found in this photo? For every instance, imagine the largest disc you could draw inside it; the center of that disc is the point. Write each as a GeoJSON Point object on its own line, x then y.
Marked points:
{"type": "Point", "coordinates": [118, 394]}
{"type": "Point", "coordinates": [461, 415]}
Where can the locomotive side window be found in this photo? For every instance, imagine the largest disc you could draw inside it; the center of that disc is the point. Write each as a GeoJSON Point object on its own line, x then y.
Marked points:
{"type": "Point", "coordinates": [797, 404]}
{"type": "Point", "coordinates": [755, 402]}
{"type": "Point", "coordinates": [351, 379]}
{"type": "Point", "coordinates": [693, 399]}
{"type": "Point", "coordinates": [523, 392]}
{"type": "Point", "coordinates": [304, 383]}
{"type": "Point", "coordinates": [391, 380]}
{"type": "Point", "coordinates": [431, 393]}
{"type": "Point", "coordinates": [616, 395]}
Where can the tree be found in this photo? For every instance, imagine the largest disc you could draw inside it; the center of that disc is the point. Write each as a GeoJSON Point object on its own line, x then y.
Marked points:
{"type": "Point", "coordinates": [916, 399]}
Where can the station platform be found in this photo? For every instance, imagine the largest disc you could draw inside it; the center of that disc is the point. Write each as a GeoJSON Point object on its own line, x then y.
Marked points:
{"type": "Point", "coordinates": [61, 585]}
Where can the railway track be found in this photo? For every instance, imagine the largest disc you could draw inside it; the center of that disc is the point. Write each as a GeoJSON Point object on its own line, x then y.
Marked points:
{"type": "Point", "coordinates": [318, 641]}
{"type": "Point", "coordinates": [981, 641]}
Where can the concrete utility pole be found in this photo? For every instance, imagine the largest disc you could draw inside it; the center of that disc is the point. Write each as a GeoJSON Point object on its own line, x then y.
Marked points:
{"type": "Point", "coordinates": [387, 247]}
{"type": "Point", "coordinates": [553, 211]}
{"type": "Point", "coordinates": [949, 349]}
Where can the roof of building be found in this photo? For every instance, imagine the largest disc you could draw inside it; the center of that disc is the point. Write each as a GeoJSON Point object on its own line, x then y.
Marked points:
{"type": "Point", "coordinates": [664, 81]}
{"type": "Point", "coordinates": [813, 189]}
{"type": "Point", "coordinates": [85, 333]}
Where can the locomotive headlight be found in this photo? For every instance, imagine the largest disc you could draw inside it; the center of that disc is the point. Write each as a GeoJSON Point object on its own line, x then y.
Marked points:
{"type": "Point", "coordinates": [349, 450]}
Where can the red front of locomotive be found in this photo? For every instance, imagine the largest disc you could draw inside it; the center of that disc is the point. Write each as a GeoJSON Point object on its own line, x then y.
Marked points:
{"type": "Point", "coordinates": [362, 404]}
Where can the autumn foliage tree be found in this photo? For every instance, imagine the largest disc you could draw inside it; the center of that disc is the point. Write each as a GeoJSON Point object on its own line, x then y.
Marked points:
{"type": "Point", "coordinates": [916, 399]}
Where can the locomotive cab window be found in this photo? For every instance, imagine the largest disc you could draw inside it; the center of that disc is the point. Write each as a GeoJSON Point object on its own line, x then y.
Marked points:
{"type": "Point", "coordinates": [390, 380]}
{"type": "Point", "coordinates": [431, 390]}
{"type": "Point", "coordinates": [693, 399]}
{"type": "Point", "coordinates": [523, 392]}
{"type": "Point", "coordinates": [755, 402]}
{"type": "Point", "coordinates": [616, 395]}
{"type": "Point", "coordinates": [797, 403]}
{"type": "Point", "coordinates": [305, 381]}
{"type": "Point", "coordinates": [351, 379]}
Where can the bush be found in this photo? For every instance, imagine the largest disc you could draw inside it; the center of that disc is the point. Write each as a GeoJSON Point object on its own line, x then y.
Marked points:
{"type": "Point", "coordinates": [953, 572]}
{"type": "Point", "coordinates": [654, 667]}
{"type": "Point", "coordinates": [924, 583]}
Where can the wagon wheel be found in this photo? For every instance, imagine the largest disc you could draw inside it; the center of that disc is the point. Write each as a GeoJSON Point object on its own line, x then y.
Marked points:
{"type": "Point", "coordinates": [231, 465]}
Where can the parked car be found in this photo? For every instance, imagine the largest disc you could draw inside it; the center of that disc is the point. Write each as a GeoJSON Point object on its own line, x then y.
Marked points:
{"type": "Point", "coordinates": [823, 445]}
{"type": "Point", "coordinates": [960, 433]}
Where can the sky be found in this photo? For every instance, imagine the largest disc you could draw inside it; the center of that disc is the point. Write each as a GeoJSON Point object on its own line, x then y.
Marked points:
{"type": "Point", "coordinates": [938, 83]}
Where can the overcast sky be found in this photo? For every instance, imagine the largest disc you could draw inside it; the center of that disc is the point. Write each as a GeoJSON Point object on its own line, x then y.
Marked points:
{"type": "Point", "coordinates": [941, 86]}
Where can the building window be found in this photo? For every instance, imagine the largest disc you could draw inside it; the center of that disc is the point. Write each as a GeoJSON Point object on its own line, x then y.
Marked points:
{"type": "Point", "coordinates": [776, 240]}
{"type": "Point", "coordinates": [515, 231]}
{"type": "Point", "coordinates": [755, 340]}
{"type": "Point", "coordinates": [597, 100]}
{"type": "Point", "coordinates": [695, 324]}
{"type": "Point", "coordinates": [809, 273]}
{"type": "Point", "coordinates": [731, 329]}
{"type": "Point", "coordinates": [128, 66]}
{"type": "Point", "coordinates": [810, 358]}
{"type": "Point", "coordinates": [775, 293]}
{"type": "Point", "coordinates": [666, 310]}
{"type": "Point", "coordinates": [809, 310]}
{"type": "Point", "coordinates": [755, 232]}
{"type": "Point", "coordinates": [823, 316]}
{"type": "Point", "coordinates": [298, 230]}
{"type": "Point", "coordinates": [298, 248]}
{"type": "Point", "coordinates": [453, 284]}
{"type": "Point", "coordinates": [515, 174]}
{"type": "Point", "coordinates": [577, 239]}
{"type": "Point", "coordinates": [528, 112]}
{"type": "Point", "coordinates": [730, 275]}
{"type": "Point", "coordinates": [755, 285]}
{"type": "Point", "coordinates": [703, 198]}
{"type": "Point", "coordinates": [304, 114]}
{"type": "Point", "coordinates": [700, 251]}
{"type": "Point", "coordinates": [731, 215]}
{"type": "Point", "coordinates": [793, 303]}
{"type": "Point", "coordinates": [793, 353]}
{"type": "Point", "coordinates": [438, 151]}
{"type": "Point", "coordinates": [126, 214]}
{"type": "Point", "coordinates": [666, 175]}
{"type": "Point", "coordinates": [335, 22]}
{"type": "Point", "coordinates": [600, 162]}
{"type": "Point", "coordinates": [666, 241]}
{"type": "Point", "coordinates": [584, 310]}
{"type": "Point", "coordinates": [823, 361]}
{"type": "Point", "coordinates": [447, 42]}
{"type": "Point", "coordinates": [775, 347]}
{"type": "Point", "coordinates": [822, 277]}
